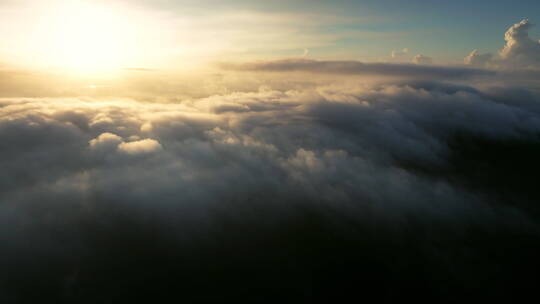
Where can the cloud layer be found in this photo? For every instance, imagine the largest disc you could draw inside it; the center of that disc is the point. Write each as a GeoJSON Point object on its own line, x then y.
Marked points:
{"type": "Point", "coordinates": [393, 70]}
{"type": "Point", "coordinates": [303, 193]}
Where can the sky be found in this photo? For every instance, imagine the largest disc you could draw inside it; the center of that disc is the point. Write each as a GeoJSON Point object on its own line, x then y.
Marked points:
{"type": "Point", "coordinates": [265, 151]}
{"type": "Point", "coordinates": [186, 33]}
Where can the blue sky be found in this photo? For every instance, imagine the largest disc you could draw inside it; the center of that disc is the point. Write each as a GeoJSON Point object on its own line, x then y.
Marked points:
{"type": "Point", "coordinates": [456, 25]}
{"type": "Point", "coordinates": [441, 28]}
{"type": "Point", "coordinates": [447, 29]}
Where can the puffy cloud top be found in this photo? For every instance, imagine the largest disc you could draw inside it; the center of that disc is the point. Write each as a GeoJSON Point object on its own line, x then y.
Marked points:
{"type": "Point", "coordinates": [477, 59]}
{"type": "Point", "coordinates": [110, 142]}
{"type": "Point", "coordinates": [520, 50]}
{"type": "Point", "coordinates": [140, 147]}
{"type": "Point", "coordinates": [105, 140]}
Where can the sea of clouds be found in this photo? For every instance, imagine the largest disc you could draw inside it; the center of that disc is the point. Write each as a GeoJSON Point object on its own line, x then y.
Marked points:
{"type": "Point", "coordinates": [421, 184]}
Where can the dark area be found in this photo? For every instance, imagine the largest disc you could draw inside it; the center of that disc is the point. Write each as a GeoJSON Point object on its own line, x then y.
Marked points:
{"type": "Point", "coordinates": [506, 171]}
{"type": "Point", "coordinates": [307, 258]}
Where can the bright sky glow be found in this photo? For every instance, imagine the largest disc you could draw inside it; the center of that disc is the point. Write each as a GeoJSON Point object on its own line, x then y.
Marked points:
{"type": "Point", "coordinates": [84, 36]}
{"type": "Point", "coordinates": [95, 35]}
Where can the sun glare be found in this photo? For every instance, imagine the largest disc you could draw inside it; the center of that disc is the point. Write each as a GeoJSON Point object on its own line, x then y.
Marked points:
{"type": "Point", "coordinates": [86, 37]}
{"type": "Point", "coordinates": [95, 37]}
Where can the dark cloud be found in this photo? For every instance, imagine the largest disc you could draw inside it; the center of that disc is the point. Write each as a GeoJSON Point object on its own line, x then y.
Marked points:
{"type": "Point", "coordinates": [418, 189]}
{"type": "Point", "coordinates": [408, 71]}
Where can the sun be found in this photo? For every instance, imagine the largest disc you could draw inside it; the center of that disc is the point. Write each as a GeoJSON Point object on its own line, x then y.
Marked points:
{"type": "Point", "coordinates": [102, 37]}
{"type": "Point", "coordinates": [85, 37]}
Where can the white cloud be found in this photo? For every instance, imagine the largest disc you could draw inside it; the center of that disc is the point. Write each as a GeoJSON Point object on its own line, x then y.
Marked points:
{"type": "Point", "coordinates": [144, 146]}
{"type": "Point", "coordinates": [520, 50]}
{"type": "Point", "coordinates": [477, 59]}
{"type": "Point", "coordinates": [105, 140]}
{"type": "Point", "coordinates": [111, 142]}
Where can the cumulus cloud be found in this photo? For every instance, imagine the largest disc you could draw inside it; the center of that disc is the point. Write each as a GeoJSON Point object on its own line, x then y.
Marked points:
{"type": "Point", "coordinates": [520, 51]}
{"type": "Point", "coordinates": [110, 142]}
{"type": "Point", "coordinates": [477, 59]}
{"type": "Point", "coordinates": [140, 147]}
{"type": "Point", "coordinates": [105, 140]}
